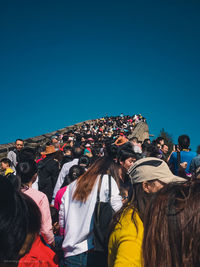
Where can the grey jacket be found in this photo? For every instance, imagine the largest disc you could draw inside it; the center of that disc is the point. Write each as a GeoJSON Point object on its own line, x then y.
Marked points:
{"type": "Point", "coordinates": [12, 156]}
{"type": "Point", "coordinates": [195, 163]}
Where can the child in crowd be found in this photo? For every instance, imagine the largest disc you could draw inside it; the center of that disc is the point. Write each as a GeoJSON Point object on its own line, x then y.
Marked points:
{"type": "Point", "coordinates": [6, 166]}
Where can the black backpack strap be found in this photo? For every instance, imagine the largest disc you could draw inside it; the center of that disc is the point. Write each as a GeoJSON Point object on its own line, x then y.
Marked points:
{"type": "Point", "coordinates": [109, 184]}
{"type": "Point", "coordinates": [99, 187]}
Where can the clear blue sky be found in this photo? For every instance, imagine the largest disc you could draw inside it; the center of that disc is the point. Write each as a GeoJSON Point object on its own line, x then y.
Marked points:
{"type": "Point", "coordinates": [63, 62]}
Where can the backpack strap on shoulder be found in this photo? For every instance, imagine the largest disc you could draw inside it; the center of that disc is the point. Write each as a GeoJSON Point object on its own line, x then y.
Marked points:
{"type": "Point", "coordinates": [109, 184]}
{"type": "Point", "coordinates": [99, 187]}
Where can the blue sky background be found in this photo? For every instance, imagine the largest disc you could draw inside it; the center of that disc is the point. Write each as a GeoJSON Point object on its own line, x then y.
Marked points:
{"type": "Point", "coordinates": [63, 62]}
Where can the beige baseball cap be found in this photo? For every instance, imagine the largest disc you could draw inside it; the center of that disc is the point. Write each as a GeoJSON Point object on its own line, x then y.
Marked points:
{"type": "Point", "coordinates": [151, 168]}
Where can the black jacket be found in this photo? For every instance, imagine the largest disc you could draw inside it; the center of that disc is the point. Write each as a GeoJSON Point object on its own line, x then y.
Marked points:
{"type": "Point", "coordinates": [48, 171]}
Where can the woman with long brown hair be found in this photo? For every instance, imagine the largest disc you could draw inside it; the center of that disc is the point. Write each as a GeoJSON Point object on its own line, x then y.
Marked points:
{"type": "Point", "coordinates": [148, 175]}
{"type": "Point", "coordinates": [76, 213]}
{"type": "Point", "coordinates": [172, 227]}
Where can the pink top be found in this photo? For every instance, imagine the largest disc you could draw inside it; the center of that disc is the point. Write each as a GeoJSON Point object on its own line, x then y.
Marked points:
{"type": "Point", "coordinates": [58, 197]}
{"type": "Point", "coordinates": [42, 201]}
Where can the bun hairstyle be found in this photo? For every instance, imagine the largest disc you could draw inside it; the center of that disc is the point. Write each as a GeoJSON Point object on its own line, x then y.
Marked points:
{"type": "Point", "coordinates": [111, 150]}
{"type": "Point", "coordinates": [74, 173]}
{"type": "Point", "coordinates": [84, 161]}
{"type": "Point", "coordinates": [26, 170]}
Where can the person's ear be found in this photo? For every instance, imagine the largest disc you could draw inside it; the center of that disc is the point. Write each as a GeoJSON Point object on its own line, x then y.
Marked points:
{"type": "Point", "coordinates": [146, 187]}
{"type": "Point", "coordinates": [121, 163]}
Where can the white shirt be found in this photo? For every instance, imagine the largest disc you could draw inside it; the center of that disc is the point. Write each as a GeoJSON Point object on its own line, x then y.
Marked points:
{"type": "Point", "coordinates": [64, 171]}
{"type": "Point", "coordinates": [77, 217]}
{"type": "Point", "coordinates": [35, 184]}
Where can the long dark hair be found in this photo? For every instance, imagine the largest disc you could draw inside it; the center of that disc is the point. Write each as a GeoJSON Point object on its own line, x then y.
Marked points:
{"type": "Point", "coordinates": [172, 227]}
{"type": "Point", "coordinates": [19, 215]}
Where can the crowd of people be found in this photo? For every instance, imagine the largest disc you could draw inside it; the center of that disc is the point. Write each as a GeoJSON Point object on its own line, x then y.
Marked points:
{"type": "Point", "coordinates": [93, 196]}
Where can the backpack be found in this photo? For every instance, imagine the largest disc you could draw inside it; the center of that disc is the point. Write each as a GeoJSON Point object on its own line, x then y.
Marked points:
{"type": "Point", "coordinates": [103, 213]}
{"type": "Point", "coordinates": [45, 181]}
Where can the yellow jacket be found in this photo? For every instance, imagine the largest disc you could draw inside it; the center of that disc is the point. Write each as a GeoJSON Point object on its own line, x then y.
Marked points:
{"type": "Point", "coordinates": [8, 170]}
{"type": "Point", "coordinates": [125, 242]}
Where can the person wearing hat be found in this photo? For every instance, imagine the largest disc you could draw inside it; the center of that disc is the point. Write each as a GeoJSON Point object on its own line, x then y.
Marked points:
{"type": "Point", "coordinates": [148, 175]}
{"type": "Point", "coordinates": [48, 171]}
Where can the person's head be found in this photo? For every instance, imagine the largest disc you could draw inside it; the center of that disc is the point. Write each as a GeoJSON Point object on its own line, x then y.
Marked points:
{"type": "Point", "coordinates": [147, 140]}
{"type": "Point", "coordinates": [54, 139]}
{"type": "Point", "coordinates": [50, 151]}
{"type": "Point", "coordinates": [77, 152]}
{"type": "Point", "coordinates": [165, 149]}
{"type": "Point", "coordinates": [70, 141]}
{"type": "Point", "coordinates": [20, 222]}
{"type": "Point", "coordinates": [84, 161]}
{"type": "Point", "coordinates": [5, 163]}
{"type": "Point", "coordinates": [27, 153]}
{"type": "Point", "coordinates": [152, 173]}
{"type": "Point", "coordinates": [148, 175]}
{"type": "Point", "coordinates": [59, 155]}
{"type": "Point", "coordinates": [150, 150]}
{"type": "Point", "coordinates": [67, 150]}
{"type": "Point", "coordinates": [172, 227]}
{"type": "Point", "coordinates": [160, 141]}
{"type": "Point", "coordinates": [19, 144]}
{"type": "Point", "coordinates": [184, 141]}
{"type": "Point", "coordinates": [74, 173]}
{"type": "Point", "coordinates": [126, 156]}
{"type": "Point", "coordinates": [198, 150]}
{"type": "Point", "coordinates": [27, 171]}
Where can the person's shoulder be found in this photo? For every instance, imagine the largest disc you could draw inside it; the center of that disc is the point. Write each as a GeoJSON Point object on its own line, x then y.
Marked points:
{"type": "Point", "coordinates": [38, 194]}
{"type": "Point", "coordinates": [68, 164]}
{"type": "Point", "coordinates": [128, 220]}
{"type": "Point", "coordinates": [11, 152]}
{"type": "Point", "coordinates": [173, 155]}
{"type": "Point", "coordinates": [192, 153]}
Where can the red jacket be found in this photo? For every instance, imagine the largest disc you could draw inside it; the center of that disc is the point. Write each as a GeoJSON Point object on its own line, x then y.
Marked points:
{"type": "Point", "coordinates": [39, 256]}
